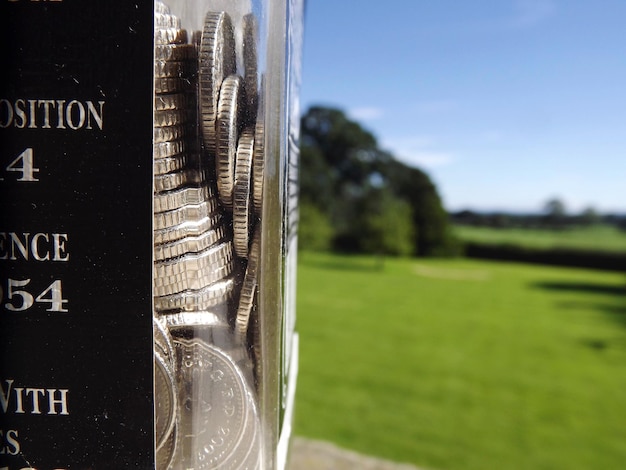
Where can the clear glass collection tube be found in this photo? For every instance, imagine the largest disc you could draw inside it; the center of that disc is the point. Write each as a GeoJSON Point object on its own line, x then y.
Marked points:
{"type": "Point", "coordinates": [225, 217]}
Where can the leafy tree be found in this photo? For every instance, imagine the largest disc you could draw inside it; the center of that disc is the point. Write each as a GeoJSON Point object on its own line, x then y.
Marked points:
{"type": "Point", "coordinates": [555, 207]}
{"type": "Point", "coordinates": [317, 182]}
{"type": "Point", "coordinates": [590, 216]}
{"type": "Point", "coordinates": [342, 166]}
{"type": "Point", "coordinates": [433, 235]}
{"type": "Point", "coordinates": [345, 145]}
{"type": "Point", "coordinates": [555, 213]}
{"type": "Point", "coordinates": [387, 226]}
{"type": "Point", "coordinates": [315, 232]}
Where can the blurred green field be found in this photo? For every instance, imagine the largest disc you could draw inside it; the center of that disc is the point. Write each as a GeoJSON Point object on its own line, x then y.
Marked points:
{"type": "Point", "coordinates": [459, 364]}
{"type": "Point", "coordinates": [597, 237]}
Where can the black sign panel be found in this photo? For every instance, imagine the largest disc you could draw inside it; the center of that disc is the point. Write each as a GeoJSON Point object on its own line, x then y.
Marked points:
{"type": "Point", "coordinates": [76, 385]}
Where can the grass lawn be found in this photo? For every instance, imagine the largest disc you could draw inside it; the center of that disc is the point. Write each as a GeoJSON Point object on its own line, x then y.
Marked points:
{"type": "Point", "coordinates": [462, 364]}
{"type": "Point", "coordinates": [599, 237]}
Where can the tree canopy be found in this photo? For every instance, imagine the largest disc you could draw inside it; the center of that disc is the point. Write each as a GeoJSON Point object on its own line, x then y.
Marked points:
{"type": "Point", "coordinates": [373, 202]}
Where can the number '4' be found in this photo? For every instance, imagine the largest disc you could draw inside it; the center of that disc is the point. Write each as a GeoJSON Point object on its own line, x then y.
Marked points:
{"type": "Point", "coordinates": [24, 164]}
{"type": "Point", "coordinates": [55, 297]}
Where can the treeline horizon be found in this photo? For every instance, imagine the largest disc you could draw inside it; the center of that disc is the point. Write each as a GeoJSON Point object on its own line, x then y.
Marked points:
{"type": "Point", "coordinates": [356, 197]}
{"type": "Point", "coordinates": [545, 219]}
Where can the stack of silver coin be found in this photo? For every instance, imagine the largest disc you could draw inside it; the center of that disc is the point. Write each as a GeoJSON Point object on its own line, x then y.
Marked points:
{"type": "Point", "coordinates": [193, 253]}
{"type": "Point", "coordinates": [207, 196]}
{"type": "Point", "coordinates": [233, 139]}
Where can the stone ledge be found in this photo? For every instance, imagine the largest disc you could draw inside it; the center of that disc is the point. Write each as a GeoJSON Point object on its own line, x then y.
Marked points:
{"type": "Point", "coordinates": [309, 454]}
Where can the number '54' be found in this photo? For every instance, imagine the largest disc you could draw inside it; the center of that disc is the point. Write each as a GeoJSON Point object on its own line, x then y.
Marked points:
{"type": "Point", "coordinates": [18, 299]}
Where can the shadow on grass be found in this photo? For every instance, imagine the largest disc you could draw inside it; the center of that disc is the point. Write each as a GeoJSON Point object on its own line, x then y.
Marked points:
{"type": "Point", "coordinates": [614, 304]}
{"type": "Point", "coordinates": [617, 312]}
{"type": "Point", "coordinates": [592, 288]}
{"type": "Point", "coordinates": [601, 345]}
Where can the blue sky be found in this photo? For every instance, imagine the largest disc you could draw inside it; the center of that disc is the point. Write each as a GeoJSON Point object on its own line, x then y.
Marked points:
{"type": "Point", "coordinates": [505, 103]}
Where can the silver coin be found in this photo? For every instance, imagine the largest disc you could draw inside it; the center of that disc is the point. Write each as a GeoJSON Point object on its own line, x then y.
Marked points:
{"type": "Point", "coordinates": [215, 409]}
{"type": "Point", "coordinates": [175, 52]}
{"type": "Point", "coordinates": [258, 166]}
{"type": "Point", "coordinates": [250, 62]}
{"type": "Point", "coordinates": [166, 20]}
{"type": "Point", "coordinates": [216, 61]}
{"type": "Point", "coordinates": [189, 244]}
{"type": "Point", "coordinates": [190, 264]}
{"type": "Point", "coordinates": [165, 399]}
{"type": "Point", "coordinates": [162, 340]}
{"type": "Point", "coordinates": [209, 326]}
{"type": "Point", "coordinates": [169, 200]}
{"type": "Point", "coordinates": [191, 320]}
{"type": "Point", "coordinates": [178, 179]}
{"type": "Point", "coordinates": [249, 285]}
{"type": "Point", "coordinates": [168, 149]}
{"type": "Point", "coordinates": [255, 327]}
{"type": "Point", "coordinates": [196, 38]}
{"type": "Point", "coordinates": [242, 197]}
{"type": "Point", "coordinates": [161, 8]}
{"type": "Point", "coordinates": [165, 454]}
{"type": "Point", "coordinates": [166, 165]}
{"type": "Point", "coordinates": [197, 299]}
{"type": "Point", "coordinates": [252, 461]}
{"type": "Point", "coordinates": [173, 101]}
{"type": "Point", "coordinates": [183, 282]}
{"type": "Point", "coordinates": [218, 333]}
{"type": "Point", "coordinates": [178, 277]}
{"type": "Point", "coordinates": [164, 36]}
{"type": "Point", "coordinates": [183, 214]}
{"type": "Point", "coordinates": [228, 124]}
{"type": "Point", "coordinates": [171, 117]}
{"type": "Point", "coordinates": [248, 456]}
{"type": "Point", "coordinates": [188, 229]}
{"type": "Point", "coordinates": [170, 133]}
{"type": "Point", "coordinates": [181, 279]}
{"type": "Point", "coordinates": [170, 68]}
{"type": "Point", "coordinates": [171, 84]}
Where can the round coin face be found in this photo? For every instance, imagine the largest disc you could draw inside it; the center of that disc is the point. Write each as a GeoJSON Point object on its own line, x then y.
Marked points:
{"type": "Point", "coordinates": [163, 340]}
{"type": "Point", "coordinates": [165, 399]}
{"type": "Point", "coordinates": [165, 453]}
{"type": "Point", "coordinates": [215, 407]}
